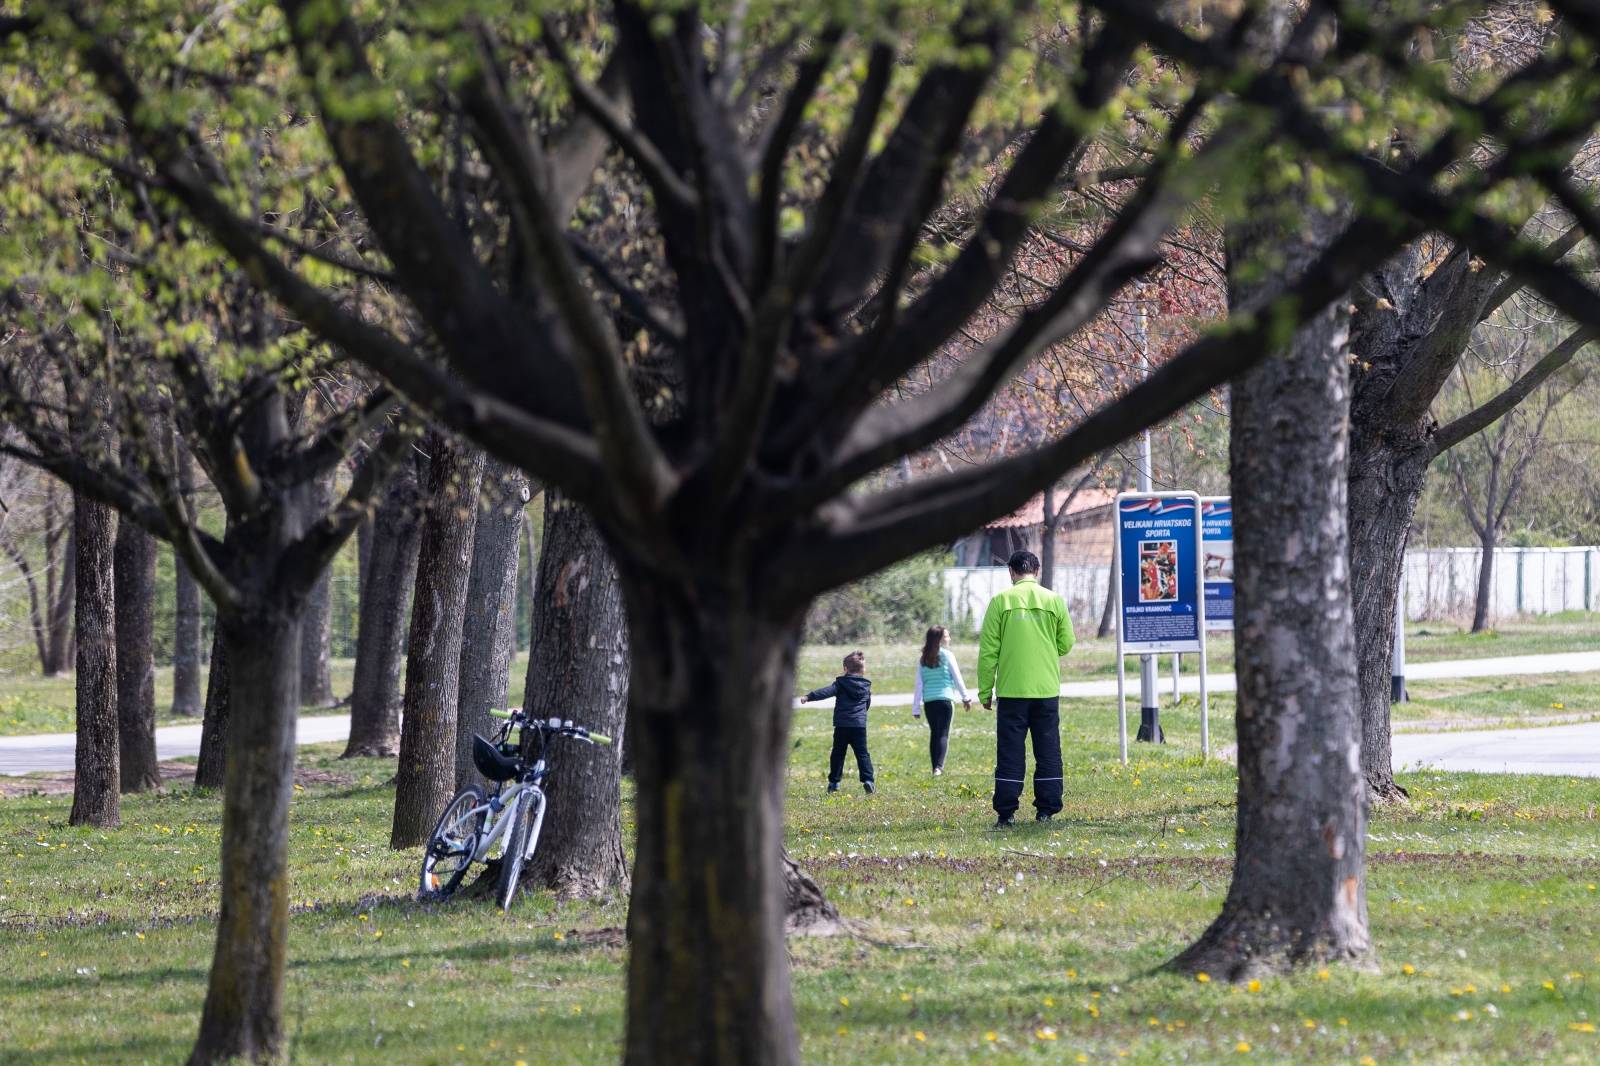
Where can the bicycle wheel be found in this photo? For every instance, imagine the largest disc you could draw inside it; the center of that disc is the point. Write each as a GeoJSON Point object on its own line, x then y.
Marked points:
{"type": "Point", "coordinates": [450, 846]}
{"type": "Point", "coordinates": [516, 849]}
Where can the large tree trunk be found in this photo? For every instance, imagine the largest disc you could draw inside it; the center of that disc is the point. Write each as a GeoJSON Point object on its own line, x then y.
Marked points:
{"type": "Point", "coordinates": [711, 688]}
{"type": "Point", "coordinates": [427, 774]}
{"type": "Point", "coordinates": [134, 583]}
{"type": "Point", "coordinates": [59, 645]}
{"type": "Point", "coordinates": [96, 774]}
{"type": "Point", "coordinates": [489, 629]}
{"type": "Point", "coordinates": [1480, 604]}
{"type": "Point", "coordinates": [185, 614]}
{"type": "Point", "coordinates": [1388, 465]}
{"type": "Point", "coordinates": [243, 1014]}
{"type": "Point", "coordinates": [211, 769]}
{"type": "Point", "coordinates": [316, 683]}
{"type": "Point", "coordinates": [578, 668]}
{"type": "Point", "coordinates": [1298, 892]}
{"type": "Point", "coordinates": [390, 574]}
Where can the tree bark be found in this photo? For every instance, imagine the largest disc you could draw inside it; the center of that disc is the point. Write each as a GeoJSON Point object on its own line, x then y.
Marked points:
{"type": "Point", "coordinates": [243, 1013]}
{"type": "Point", "coordinates": [427, 774]}
{"type": "Point", "coordinates": [710, 703]}
{"type": "Point", "coordinates": [96, 773]}
{"type": "Point", "coordinates": [316, 683]}
{"type": "Point", "coordinates": [578, 669]}
{"type": "Point", "coordinates": [60, 650]}
{"type": "Point", "coordinates": [186, 615]}
{"type": "Point", "coordinates": [390, 574]}
{"type": "Point", "coordinates": [211, 770]}
{"type": "Point", "coordinates": [489, 629]}
{"type": "Point", "coordinates": [1388, 467]}
{"type": "Point", "coordinates": [1047, 541]}
{"type": "Point", "coordinates": [1298, 893]}
{"type": "Point", "coordinates": [1480, 604]}
{"type": "Point", "coordinates": [134, 583]}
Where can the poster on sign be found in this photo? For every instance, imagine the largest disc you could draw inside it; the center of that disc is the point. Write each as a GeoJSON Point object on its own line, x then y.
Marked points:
{"type": "Point", "coordinates": [1158, 559]}
{"type": "Point", "coordinates": [1216, 542]}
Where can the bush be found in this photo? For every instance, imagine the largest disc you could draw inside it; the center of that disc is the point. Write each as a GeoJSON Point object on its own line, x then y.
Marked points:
{"type": "Point", "coordinates": [898, 603]}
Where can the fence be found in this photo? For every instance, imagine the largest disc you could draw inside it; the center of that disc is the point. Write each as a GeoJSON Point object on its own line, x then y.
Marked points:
{"type": "Point", "coordinates": [1440, 583]}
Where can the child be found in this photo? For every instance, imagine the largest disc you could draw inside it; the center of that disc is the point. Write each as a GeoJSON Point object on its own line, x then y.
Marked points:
{"type": "Point", "coordinates": [938, 684]}
{"type": "Point", "coordinates": [852, 695]}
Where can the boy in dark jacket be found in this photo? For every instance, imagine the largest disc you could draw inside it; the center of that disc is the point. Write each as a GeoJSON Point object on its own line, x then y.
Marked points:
{"type": "Point", "coordinates": [852, 695]}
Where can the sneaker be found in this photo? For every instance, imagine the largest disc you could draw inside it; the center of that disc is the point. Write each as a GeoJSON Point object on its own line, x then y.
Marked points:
{"type": "Point", "coordinates": [832, 787]}
{"type": "Point", "coordinates": [1044, 817]}
{"type": "Point", "coordinates": [938, 771]}
{"type": "Point", "coordinates": [1005, 821]}
{"type": "Point", "coordinates": [869, 786]}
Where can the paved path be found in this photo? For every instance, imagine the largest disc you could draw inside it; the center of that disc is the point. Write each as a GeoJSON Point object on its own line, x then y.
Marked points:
{"type": "Point", "coordinates": [1562, 747]}
{"type": "Point", "coordinates": [1565, 750]}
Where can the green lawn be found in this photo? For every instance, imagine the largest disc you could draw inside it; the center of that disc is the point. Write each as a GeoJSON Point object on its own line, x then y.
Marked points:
{"type": "Point", "coordinates": [1035, 945]}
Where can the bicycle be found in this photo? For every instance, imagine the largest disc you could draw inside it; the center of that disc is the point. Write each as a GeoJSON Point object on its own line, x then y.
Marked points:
{"type": "Point", "coordinates": [474, 821]}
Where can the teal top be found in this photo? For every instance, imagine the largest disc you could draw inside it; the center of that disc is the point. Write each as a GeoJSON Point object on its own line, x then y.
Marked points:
{"type": "Point", "coordinates": [942, 682]}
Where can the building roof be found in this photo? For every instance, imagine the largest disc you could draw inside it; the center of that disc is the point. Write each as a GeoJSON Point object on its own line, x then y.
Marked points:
{"type": "Point", "coordinates": [1032, 513]}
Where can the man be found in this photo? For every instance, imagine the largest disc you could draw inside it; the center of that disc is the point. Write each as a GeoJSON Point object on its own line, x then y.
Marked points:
{"type": "Point", "coordinates": [1026, 630]}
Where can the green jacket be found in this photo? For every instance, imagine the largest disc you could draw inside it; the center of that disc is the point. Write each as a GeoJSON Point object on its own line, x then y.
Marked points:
{"type": "Point", "coordinates": [1026, 630]}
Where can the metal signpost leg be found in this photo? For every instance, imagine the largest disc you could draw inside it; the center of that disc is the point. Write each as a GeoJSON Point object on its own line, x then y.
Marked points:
{"type": "Point", "coordinates": [1177, 663]}
{"type": "Point", "coordinates": [1122, 686]}
{"type": "Point", "coordinates": [1397, 672]}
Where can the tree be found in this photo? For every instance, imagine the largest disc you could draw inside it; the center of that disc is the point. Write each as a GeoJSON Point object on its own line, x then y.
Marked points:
{"type": "Point", "coordinates": [488, 632]}
{"type": "Point", "coordinates": [210, 368]}
{"type": "Point", "coordinates": [725, 497]}
{"type": "Point", "coordinates": [316, 685]}
{"type": "Point", "coordinates": [427, 776]}
{"type": "Point", "coordinates": [96, 775]}
{"type": "Point", "coordinates": [1298, 890]}
{"type": "Point", "coordinates": [211, 767]}
{"type": "Point", "coordinates": [49, 608]}
{"type": "Point", "coordinates": [134, 592]}
{"type": "Point", "coordinates": [1488, 475]}
{"type": "Point", "coordinates": [578, 669]}
{"type": "Point", "coordinates": [384, 607]}
{"type": "Point", "coordinates": [186, 611]}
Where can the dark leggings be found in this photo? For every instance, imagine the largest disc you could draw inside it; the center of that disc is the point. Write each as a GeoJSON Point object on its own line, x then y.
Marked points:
{"type": "Point", "coordinates": [939, 713]}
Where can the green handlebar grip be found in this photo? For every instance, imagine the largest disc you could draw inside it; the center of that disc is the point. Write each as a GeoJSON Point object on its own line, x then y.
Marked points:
{"type": "Point", "coordinates": [499, 714]}
{"type": "Point", "coordinates": [600, 738]}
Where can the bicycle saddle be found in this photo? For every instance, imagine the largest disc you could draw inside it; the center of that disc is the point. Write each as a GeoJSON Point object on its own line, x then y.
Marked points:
{"type": "Point", "coordinates": [490, 763]}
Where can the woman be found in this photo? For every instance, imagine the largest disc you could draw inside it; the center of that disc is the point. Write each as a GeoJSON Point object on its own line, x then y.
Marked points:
{"type": "Point", "coordinates": [938, 683]}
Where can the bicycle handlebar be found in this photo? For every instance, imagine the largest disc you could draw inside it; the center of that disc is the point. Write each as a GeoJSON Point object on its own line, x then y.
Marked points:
{"type": "Point", "coordinates": [566, 728]}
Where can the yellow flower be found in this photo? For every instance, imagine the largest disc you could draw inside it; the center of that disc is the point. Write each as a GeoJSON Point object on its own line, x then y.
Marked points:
{"type": "Point", "coordinates": [905, 997]}
{"type": "Point", "coordinates": [1254, 985]}
{"type": "Point", "coordinates": [1203, 978]}
{"type": "Point", "coordinates": [919, 1036]}
{"type": "Point", "coordinates": [1074, 973]}
{"type": "Point", "coordinates": [1242, 1047]}
{"type": "Point", "coordinates": [1408, 969]}
{"type": "Point", "coordinates": [1368, 1060]}
{"type": "Point", "coordinates": [991, 1036]}
{"type": "Point", "coordinates": [1581, 1027]}
{"type": "Point", "coordinates": [1045, 1033]}
{"type": "Point", "coordinates": [558, 935]}
{"type": "Point", "coordinates": [1048, 1002]}
{"type": "Point", "coordinates": [1094, 1012]}
{"type": "Point", "coordinates": [406, 963]}
{"type": "Point", "coordinates": [1550, 986]}
{"type": "Point", "coordinates": [844, 1001]}
{"type": "Point", "coordinates": [843, 1030]}
{"type": "Point", "coordinates": [1322, 975]}
{"type": "Point", "coordinates": [1309, 1024]}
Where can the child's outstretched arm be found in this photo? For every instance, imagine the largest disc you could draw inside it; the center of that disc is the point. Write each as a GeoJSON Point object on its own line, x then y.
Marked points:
{"type": "Point", "coordinates": [826, 692]}
{"type": "Point", "coordinates": [916, 694]}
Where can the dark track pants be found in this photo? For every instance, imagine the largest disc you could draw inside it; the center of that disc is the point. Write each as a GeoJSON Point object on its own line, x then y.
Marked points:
{"type": "Point", "coordinates": [1014, 719]}
{"type": "Point", "coordinates": [939, 713]}
{"type": "Point", "coordinates": [853, 737]}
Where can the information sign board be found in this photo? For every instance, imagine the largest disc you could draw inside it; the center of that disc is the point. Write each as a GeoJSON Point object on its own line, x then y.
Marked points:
{"type": "Point", "coordinates": [1216, 542]}
{"type": "Point", "coordinates": [1158, 560]}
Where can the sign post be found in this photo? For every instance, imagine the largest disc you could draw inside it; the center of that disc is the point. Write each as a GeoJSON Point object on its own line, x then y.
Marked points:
{"type": "Point", "coordinates": [1160, 601]}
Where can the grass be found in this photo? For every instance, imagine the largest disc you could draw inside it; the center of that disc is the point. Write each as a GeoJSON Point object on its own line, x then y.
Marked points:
{"type": "Point", "coordinates": [1034, 945]}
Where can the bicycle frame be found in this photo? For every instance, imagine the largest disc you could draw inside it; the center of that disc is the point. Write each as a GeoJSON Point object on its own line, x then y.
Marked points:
{"type": "Point", "coordinates": [500, 821]}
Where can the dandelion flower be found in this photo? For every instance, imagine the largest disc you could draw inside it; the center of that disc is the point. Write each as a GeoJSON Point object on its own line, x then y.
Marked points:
{"type": "Point", "coordinates": [1203, 978]}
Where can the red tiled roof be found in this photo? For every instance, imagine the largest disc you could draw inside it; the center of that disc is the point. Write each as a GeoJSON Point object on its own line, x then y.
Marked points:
{"type": "Point", "coordinates": [1032, 513]}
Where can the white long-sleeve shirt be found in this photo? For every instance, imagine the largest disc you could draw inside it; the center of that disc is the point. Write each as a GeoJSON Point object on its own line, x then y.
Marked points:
{"type": "Point", "coordinates": [947, 661]}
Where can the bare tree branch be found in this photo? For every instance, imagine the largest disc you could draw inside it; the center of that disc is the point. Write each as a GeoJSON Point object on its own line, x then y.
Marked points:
{"type": "Point", "coordinates": [1492, 410]}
